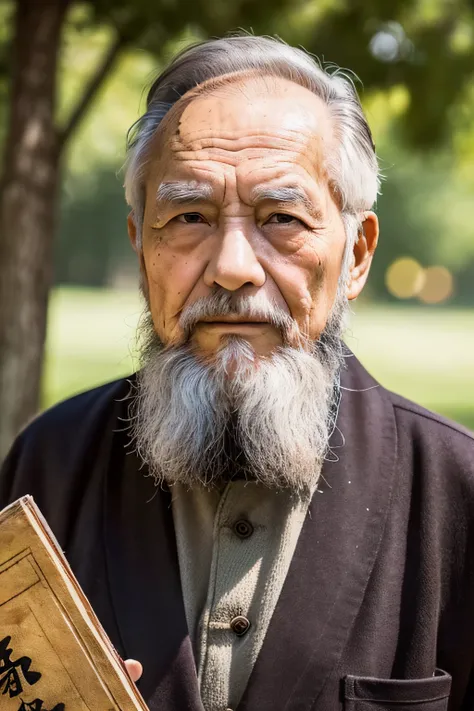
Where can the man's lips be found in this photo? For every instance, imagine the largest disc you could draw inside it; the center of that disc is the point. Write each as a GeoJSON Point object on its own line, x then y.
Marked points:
{"type": "Point", "coordinates": [232, 324]}
{"type": "Point", "coordinates": [228, 322]}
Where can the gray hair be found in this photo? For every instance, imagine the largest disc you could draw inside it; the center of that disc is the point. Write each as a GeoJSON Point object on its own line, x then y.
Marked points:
{"type": "Point", "coordinates": [353, 172]}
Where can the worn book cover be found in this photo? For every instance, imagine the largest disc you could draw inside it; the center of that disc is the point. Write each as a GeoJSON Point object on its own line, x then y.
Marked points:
{"type": "Point", "coordinates": [54, 654]}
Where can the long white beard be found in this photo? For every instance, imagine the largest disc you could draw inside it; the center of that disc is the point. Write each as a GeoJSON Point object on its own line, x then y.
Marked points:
{"type": "Point", "coordinates": [270, 420]}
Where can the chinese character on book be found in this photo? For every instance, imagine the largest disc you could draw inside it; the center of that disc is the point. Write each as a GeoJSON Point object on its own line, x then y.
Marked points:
{"type": "Point", "coordinates": [14, 674]}
{"type": "Point", "coordinates": [37, 705]}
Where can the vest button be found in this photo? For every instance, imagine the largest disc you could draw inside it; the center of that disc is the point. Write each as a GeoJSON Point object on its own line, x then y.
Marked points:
{"type": "Point", "coordinates": [240, 625]}
{"type": "Point", "coordinates": [243, 528]}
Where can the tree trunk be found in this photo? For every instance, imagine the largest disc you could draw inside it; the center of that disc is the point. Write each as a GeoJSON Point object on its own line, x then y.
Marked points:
{"type": "Point", "coordinates": [27, 211]}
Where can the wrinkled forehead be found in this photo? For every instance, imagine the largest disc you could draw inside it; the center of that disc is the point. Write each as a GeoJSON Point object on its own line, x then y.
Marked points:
{"type": "Point", "coordinates": [252, 104]}
{"type": "Point", "coordinates": [258, 119]}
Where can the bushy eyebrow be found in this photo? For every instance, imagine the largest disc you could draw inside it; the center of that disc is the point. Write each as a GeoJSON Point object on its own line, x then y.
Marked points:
{"type": "Point", "coordinates": [289, 195]}
{"type": "Point", "coordinates": [182, 192]}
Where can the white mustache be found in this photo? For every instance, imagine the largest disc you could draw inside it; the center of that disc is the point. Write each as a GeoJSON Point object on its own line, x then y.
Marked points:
{"type": "Point", "coordinates": [221, 305]}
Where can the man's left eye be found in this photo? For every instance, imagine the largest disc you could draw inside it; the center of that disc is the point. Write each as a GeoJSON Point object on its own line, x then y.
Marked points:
{"type": "Point", "coordinates": [281, 218]}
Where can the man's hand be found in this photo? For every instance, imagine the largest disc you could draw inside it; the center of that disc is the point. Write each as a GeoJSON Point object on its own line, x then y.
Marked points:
{"type": "Point", "coordinates": [134, 669]}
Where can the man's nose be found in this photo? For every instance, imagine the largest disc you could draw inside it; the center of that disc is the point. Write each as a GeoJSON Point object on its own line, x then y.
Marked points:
{"type": "Point", "coordinates": [234, 263]}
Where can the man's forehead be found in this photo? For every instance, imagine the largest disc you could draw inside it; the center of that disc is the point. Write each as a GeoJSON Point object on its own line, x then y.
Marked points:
{"type": "Point", "coordinates": [291, 180]}
{"type": "Point", "coordinates": [241, 110]}
{"type": "Point", "coordinates": [252, 105]}
{"type": "Point", "coordinates": [241, 136]}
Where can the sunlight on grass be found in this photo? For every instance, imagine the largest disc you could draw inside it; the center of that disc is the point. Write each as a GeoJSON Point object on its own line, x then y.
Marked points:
{"type": "Point", "coordinates": [91, 335]}
{"type": "Point", "coordinates": [423, 354]}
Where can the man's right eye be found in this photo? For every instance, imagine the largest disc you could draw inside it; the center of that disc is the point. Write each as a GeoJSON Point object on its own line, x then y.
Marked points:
{"type": "Point", "coordinates": [191, 218]}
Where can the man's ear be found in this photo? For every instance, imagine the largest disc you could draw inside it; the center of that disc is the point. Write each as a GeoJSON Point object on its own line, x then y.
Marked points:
{"type": "Point", "coordinates": [132, 231]}
{"type": "Point", "coordinates": [363, 253]}
{"type": "Point", "coordinates": [133, 234]}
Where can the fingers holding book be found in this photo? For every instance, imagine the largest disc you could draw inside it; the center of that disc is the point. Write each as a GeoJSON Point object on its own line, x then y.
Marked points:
{"type": "Point", "coordinates": [134, 668]}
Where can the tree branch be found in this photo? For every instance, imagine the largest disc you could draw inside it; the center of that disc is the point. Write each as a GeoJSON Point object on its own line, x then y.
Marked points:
{"type": "Point", "coordinates": [91, 90]}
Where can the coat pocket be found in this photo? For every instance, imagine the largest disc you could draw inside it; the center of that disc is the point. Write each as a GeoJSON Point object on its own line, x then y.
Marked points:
{"type": "Point", "coordinates": [369, 694]}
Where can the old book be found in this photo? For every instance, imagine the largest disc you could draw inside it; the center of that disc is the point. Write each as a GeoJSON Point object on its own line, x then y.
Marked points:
{"type": "Point", "coordinates": [54, 654]}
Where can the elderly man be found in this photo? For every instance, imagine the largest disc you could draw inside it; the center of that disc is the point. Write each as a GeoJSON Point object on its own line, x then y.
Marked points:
{"type": "Point", "coordinates": [252, 516]}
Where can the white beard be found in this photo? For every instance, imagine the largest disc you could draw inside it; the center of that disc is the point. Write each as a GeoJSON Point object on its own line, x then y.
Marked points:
{"type": "Point", "coordinates": [270, 420]}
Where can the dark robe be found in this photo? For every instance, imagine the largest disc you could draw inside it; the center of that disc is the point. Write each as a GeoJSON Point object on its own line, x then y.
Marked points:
{"type": "Point", "coordinates": [377, 610]}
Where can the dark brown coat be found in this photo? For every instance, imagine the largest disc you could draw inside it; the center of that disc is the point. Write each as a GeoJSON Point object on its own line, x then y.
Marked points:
{"type": "Point", "coordinates": [379, 597]}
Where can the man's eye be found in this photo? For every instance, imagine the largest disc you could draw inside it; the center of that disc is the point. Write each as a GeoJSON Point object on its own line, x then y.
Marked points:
{"type": "Point", "coordinates": [191, 218]}
{"type": "Point", "coordinates": [280, 218]}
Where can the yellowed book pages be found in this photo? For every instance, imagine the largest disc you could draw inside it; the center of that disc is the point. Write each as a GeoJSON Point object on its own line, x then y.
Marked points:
{"type": "Point", "coordinates": [54, 653]}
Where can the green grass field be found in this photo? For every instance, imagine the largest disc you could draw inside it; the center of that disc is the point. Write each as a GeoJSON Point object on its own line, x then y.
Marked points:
{"type": "Point", "coordinates": [425, 354]}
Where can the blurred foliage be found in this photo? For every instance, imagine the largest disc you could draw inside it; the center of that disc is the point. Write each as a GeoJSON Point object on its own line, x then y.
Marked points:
{"type": "Point", "coordinates": [416, 60]}
{"type": "Point", "coordinates": [424, 45]}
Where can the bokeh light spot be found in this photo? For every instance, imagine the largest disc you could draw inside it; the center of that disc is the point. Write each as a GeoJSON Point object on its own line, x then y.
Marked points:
{"type": "Point", "coordinates": [405, 278]}
{"type": "Point", "coordinates": [384, 46]}
{"type": "Point", "coordinates": [438, 285]}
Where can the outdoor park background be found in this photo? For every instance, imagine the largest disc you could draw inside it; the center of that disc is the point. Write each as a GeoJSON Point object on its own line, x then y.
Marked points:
{"type": "Point", "coordinates": [414, 326]}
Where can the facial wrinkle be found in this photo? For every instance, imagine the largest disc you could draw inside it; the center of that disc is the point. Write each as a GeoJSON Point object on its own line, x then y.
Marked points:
{"type": "Point", "coordinates": [239, 140]}
{"type": "Point", "coordinates": [242, 152]}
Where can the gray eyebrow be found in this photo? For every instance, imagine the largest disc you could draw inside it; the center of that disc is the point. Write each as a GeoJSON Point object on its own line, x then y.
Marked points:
{"type": "Point", "coordinates": [182, 192]}
{"type": "Point", "coordinates": [290, 195]}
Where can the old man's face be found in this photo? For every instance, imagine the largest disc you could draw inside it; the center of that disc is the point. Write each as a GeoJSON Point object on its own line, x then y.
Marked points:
{"type": "Point", "coordinates": [238, 198]}
{"type": "Point", "coordinates": [241, 256]}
